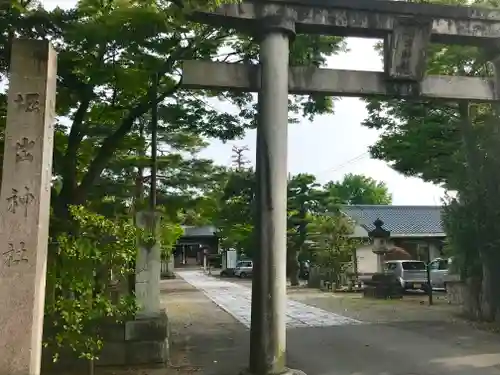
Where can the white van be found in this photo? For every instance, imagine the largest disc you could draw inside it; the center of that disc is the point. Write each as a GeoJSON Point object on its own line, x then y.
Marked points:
{"type": "Point", "coordinates": [438, 270]}
{"type": "Point", "coordinates": [244, 268]}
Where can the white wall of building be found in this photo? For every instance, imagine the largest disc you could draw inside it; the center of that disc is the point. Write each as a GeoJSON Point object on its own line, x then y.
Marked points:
{"type": "Point", "coordinates": [367, 259]}
{"type": "Point", "coordinates": [359, 232]}
{"type": "Point", "coordinates": [434, 251]}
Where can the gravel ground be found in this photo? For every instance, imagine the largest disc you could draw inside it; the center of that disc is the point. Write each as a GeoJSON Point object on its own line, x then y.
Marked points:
{"type": "Point", "coordinates": [203, 336]}
{"type": "Point", "coordinates": [412, 307]}
{"type": "Point", "coordinates": [406, 337]}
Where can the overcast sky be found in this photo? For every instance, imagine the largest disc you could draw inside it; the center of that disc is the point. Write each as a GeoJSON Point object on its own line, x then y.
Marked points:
{"type": "Point", "coordinates": [332, 145]}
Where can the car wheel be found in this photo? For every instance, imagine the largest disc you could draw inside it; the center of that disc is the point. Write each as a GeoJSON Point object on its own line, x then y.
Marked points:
{"type": "Point", "coordinates": [243, 275]}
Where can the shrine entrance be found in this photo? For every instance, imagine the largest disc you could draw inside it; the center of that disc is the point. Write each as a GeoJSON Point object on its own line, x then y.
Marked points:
{"type": "Point", "coordinates": [407, 30]}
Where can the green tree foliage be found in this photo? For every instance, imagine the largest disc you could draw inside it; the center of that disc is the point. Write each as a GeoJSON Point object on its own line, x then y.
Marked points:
{"type": "Point", "coordinates": [108, 53]}
{"type": "Point", "coordinates": [456, 145]}
{"type": "Point", "coordinates": [169, 234]}
{"type": "Point", "coordinates": [420, 138]}
{"type": "Point", "coordinates": [235, 218]}
{"type": "Point", "coordinates": [304, 197]}
{"type": "Point", "coordinates": [330, 245]}
{"type": "Point", "coordinates": [78, 284]}
{"type": "Point", "coordinates": [359, 189]}
{"type": "Point", "coordinates": [476, 243]}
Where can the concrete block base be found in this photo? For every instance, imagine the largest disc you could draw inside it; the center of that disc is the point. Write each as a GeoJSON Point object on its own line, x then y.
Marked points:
{"type": "Point", "coordinates": [295, 372]}
{"type": "Point", "coordinates": [143, 341]}
{"type": "Point", "coordinates": [168, 275]}
{"type": "Point", "coordinates": [147, 328]}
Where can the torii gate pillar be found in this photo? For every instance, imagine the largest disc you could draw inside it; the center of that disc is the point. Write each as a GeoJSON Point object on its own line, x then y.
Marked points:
{"type": "Point", "coordinates": [268, 326]}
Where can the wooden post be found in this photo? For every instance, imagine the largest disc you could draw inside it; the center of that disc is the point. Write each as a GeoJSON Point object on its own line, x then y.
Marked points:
{"type": "Point", "coordinates": [25, 205]}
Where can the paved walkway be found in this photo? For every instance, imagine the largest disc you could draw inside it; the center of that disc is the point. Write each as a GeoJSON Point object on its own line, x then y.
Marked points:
{"type": "Point", "coordinates": [334, 345]}
{"type": "Point", "coordinates": [236, 300]}
{"type": "Point", "coordinates": [205, 340]}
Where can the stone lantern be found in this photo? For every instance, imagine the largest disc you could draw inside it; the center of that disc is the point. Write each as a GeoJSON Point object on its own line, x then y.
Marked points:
{"type": "Point", "coordinates": [380, 238]}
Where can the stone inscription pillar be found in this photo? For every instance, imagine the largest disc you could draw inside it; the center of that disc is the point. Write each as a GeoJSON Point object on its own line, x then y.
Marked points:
{"type": "Point", "coordinates": [148, 270]}
{"type": "Point", "coordinates": [25, 205]}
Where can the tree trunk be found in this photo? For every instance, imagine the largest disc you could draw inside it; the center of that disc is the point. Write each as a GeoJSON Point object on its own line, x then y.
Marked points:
{"type": "Point", "coordinates": [481, 297]}
{"type": "Point", "coordinates": [487, 298]}
{"type": "Point", "coordinates": [294, 274]}
{"type": "Point", "coordinates": [479, 291]}
{"type": "Point", "coordinates": [293, 266]}
{"type": "Point", "coordinates": [490, 288]}
{"type": "Point", "coordinates": [471, 306]}
{"type": "Point", "coordinates": [480, 190]}
{"type": "Point", "coordinates": [296, 250]}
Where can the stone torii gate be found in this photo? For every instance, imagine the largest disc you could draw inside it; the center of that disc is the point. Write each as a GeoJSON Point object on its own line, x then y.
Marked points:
{"type": "Point", "coordinates": [407, 30]}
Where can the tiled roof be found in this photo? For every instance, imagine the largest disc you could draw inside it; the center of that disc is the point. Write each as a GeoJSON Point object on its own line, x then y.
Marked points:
{"type": "Point", "coordinates": [400, 220]}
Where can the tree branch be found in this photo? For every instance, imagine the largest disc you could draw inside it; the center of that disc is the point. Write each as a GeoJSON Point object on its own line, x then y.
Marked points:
{"type": "Point", "coordinates": [76, 133]}
{"type": "Point", "coordinates": [74, 139]}
{"type": "Point", "coordinates": [109, 145]}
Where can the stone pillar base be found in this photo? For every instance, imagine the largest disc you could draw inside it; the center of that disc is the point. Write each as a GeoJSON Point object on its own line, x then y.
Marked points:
{"type": "Point", "coordinates": [287, 372]}
{"type": "Point", "coordinates": [147, 340]}
{"type": "Point", "coordinates": [138, 342]}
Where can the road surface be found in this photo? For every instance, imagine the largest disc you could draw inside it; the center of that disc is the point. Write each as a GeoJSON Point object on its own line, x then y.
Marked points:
{"type": "Point", "coordinates": [321, 342]}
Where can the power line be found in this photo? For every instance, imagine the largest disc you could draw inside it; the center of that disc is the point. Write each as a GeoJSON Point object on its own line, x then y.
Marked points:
{"type": "Point", "coordinates": [346, 163]}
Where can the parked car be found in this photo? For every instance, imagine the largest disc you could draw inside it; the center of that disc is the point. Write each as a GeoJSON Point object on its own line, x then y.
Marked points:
{"type": "Point", "coordinates": [412, 274]}
{"type": "Point", "coordinates": [438, 270]}
{"type": "Point", "coordinates": [244, 268]}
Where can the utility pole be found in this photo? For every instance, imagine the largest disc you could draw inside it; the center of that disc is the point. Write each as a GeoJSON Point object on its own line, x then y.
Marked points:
{"type": "Point", "coordinates": [148, 263]}
{"type": "Point", "coordinates": [138, 198]}
{"type": "Point", "coordinates": [154, 150]}
{"type": "Point", "coordinates": [428, 271]}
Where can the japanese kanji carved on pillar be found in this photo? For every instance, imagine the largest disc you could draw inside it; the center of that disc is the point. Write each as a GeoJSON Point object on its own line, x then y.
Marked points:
{"type": "Point", "coordinates": [25, 205]}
